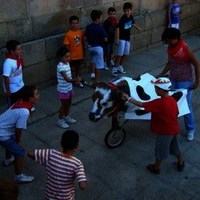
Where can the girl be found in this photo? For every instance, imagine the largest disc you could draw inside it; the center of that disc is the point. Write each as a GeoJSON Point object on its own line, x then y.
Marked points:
{"type": "Point", "coordinates": [184, 71]}
{"type": "Point", "coordinates": [64, 87]}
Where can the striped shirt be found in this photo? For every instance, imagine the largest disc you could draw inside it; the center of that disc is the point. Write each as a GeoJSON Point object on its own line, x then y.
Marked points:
{"type": "Point", "coordinates": [63, 85]}
{"type": "Point", "coordinates": [12, 119]}
{"type": "Point", "coordinates": [62, 171]}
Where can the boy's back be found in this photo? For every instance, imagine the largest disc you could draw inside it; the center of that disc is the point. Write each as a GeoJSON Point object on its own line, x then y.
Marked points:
{"type": "Point", "coordinates": [62, 170]}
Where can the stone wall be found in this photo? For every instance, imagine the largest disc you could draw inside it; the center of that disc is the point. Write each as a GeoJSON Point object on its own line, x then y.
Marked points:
{"type": "Point", "coordinates": [40, 26]}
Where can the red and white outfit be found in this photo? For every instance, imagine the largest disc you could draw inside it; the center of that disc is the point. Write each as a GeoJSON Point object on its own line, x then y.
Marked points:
{"type": "Point", "coordinates": [62, 171]}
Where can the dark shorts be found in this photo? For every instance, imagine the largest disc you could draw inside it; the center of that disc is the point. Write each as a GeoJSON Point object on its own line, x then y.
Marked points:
{"type": "Point", "coordinates": [13, 147]}
{"type": "Point", "coordinates": [165, 145]}
{"type": "Point", "coordinates": [76, 63]}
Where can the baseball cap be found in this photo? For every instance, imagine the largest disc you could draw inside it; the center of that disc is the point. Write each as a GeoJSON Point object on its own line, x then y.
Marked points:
{"type": "Point", "coordinates": [163, 83]}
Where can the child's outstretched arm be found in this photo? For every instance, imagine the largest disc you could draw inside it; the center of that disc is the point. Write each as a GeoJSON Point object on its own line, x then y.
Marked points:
{"type": "Point", "coordinates": [82, 185]}
{"type": "Point", "coordinates": [31, 154]}
{"type": "Point", "coordinates": [137, 27]}
{"type": "Point", "coordinates": [76, 80]}
{"type": "Point", "coordinates": [133, 101]}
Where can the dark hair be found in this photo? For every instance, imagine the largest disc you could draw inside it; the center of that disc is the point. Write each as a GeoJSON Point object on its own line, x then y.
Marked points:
{"type": "Point", "coordinates": [27, 92]}
{"type": "Point", "coordinates": [73, 17]}
{"type": "Point", "coordinates": [170, 33]}
{"type": "Point", "coordinates": [70, 140]}
{"type": "Point", "coordinates": [127, 5]}
{"type": "Point", "coordinates": [111, 9]}
{"type": "Point", "coordinates": [12, 45]}
{"type": "Point", "coordinates": [8, 189]}
{"type": "Point", "coordinates": [95, 14]}
{"type": "Point", "coordinates": [62, 51]}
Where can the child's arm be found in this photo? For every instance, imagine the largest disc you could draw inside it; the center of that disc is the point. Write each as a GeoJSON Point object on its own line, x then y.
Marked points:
{"type": "Point", "coordinates": [18, 135]}
{"type": "Point", "coordinates": [69, 79]}
{"type": "Point", "coordinates": [137, 27]}
{"type": "Point", "coordinates": [165, 70]}
{"type": "Point", "coordinates": [7, 83]}
{"type": "Point", "coordinates": [31, 154]}
{"type": "Point", "coordinates": [82, 185]}
{"type": "Point", "coordinates": [133, 101]}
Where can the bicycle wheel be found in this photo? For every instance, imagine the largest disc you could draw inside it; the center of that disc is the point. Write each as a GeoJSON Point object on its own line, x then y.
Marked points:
{"type": "Point", "coordinates": [115, 137]}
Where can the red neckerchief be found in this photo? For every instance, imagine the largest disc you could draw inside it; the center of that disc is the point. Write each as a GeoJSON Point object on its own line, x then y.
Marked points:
{"type": "Point", "coordinates": [22, 104]}
{"type": "Point", "coordinates": [113, 21]}
{"type": "Point", "coordinates": [179, 52]}
{"type": "Point", "coordinates": [18, 59]}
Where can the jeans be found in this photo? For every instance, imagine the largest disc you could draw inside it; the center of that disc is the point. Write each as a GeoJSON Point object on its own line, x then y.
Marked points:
{"type": "Point", "coordinates": [189, 118]}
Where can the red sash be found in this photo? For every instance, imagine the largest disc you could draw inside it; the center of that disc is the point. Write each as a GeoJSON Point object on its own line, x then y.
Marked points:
{"type": "Point", "coordinates": [180, 52]}
{"type": "Point", "coordinates": [113, 21]}
{"type": "Point", "coordinates": [18, 59]}
{"type": "Point", "coordinates": [22, 104]}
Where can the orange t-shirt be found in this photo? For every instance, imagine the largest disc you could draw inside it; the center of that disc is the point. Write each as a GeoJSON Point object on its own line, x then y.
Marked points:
{"type": "Point", "coordinates": [75, 39]}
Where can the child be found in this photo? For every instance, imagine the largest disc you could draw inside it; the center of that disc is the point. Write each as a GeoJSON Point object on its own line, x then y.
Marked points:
{"type": "Point", "coordinates": [64, 87]}
{"type": "Point", "coordinates": [74, 40]}
{"type": "Point", "coordinates": [184, 71]}
{"type": "Point", "coordinates": [62, 168]}
{"type": "Point", "coordinates": [96, 36]}
{"type": "Point", "coordinates": [164, 123]}
{"type": "Point", "coordinates": [123, 38]}
{"type": "Point", "coordinates": [174, 13]}
{"type": "Point", "coordinates": [11, 124]}
{"type": "Point", "coordinates": [12, 71]}
{"type": "Point", "coordinates": [110, 27]}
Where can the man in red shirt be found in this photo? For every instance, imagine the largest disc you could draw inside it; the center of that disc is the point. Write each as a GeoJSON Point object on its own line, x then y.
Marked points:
{"type": "Point", "coordinates": [164, 124]}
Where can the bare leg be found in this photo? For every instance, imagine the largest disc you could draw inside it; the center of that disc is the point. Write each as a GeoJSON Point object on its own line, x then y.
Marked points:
{"type": "Point", "coordinates": [62, 109]}
{"type": "Point", "coordinates": [97, 75]}
{"type": "Point", "coordinates": [123, 60]}
{"type": "Point", "coordinates": [67, 106]}
{"type": "Point", "coordinates": [18, 165]}
{"type": "Point", "coordinates": [117, 60]}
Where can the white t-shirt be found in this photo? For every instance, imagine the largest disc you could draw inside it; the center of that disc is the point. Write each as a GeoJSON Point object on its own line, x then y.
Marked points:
{"type": "Point", "coordinates": [14, 73]}
{"type": "Point", "coordinates": [12, 119]}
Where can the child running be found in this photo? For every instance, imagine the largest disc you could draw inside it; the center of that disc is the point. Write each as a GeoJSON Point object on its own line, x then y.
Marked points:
{"type": "Point", "coordinates": [62, 168]}
{"type": "Point", "coordinates": [11, 124]}
{"type": "Point", "coordinates": [164, 124]}
{"type": "Point", "coordinates": [64, 87]}
{"type": "Point", "coordinates": [74, 40]}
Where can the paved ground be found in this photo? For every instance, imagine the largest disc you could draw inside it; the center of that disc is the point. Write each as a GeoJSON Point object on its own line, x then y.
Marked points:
{"type": "Point", "coordinates": [114, 174]}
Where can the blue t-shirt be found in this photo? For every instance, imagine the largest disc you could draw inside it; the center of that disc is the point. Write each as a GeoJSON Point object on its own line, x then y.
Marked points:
{"type": "Point", "coordinates": [124, 25]}
{"type": "Point", "coordinates": [95, 34]}
{"type": "Point", "coordinates": [175, 13]}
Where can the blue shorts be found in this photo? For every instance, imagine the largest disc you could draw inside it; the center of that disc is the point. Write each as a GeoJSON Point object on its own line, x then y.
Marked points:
{"type": "Point", "coordinates": [96, 56]}
{"type": "Point", "coordinates": [12, 146]}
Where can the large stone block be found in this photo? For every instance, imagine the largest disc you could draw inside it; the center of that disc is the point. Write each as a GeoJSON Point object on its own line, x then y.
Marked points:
{"type": "Point", "coordinates": [158, 18]}
{"type": "Point", "coordinates": [12, 10]}
{"type": "Point", "coordinates": [34, 52]}
{"type": "Point", "coordinates": [150, 5]}
{"type": "Point", "coordinates": [52, 45]}
{"type": "Point", "coordinates": [51, 24]}
{"type": "Point", "coordinates": [156, 34]}
{"type": "Point", "coordinates": [4, 36]}
{"type": "Point", "coordinates": [20, 30]}
{"type": "Point", "coordinates": [37, 74]}
{"type": "Point", "coordinates": [38, 7]}
{"type": "Point", "coordinates": [190, 24]}
{"type": "Point", "coordinates": [140, 21]}
{"type": "Point", "coordinates": [53, 67]}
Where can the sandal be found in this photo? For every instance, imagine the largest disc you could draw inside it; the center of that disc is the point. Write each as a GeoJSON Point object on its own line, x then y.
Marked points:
{"type": "Point", "coordinates": [180, 167]}
{"type": "Point", "coordinates": [152, 168]}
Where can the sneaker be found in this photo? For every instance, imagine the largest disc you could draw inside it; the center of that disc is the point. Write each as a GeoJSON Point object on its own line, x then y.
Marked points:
{"type": "Point", "coordinates": [22, 178]}
{"type": "Point", "coordinates": [9, 161]}
{"type": "Point", "coordinates": [106, 67]}
{"type": "Point", "coordinates": [70, 120]}
{"type": "Point", "coordinates": [114, 71]}
{"type": "Point", "coordinates": [33, 109]}
{"type": "Point", "coordinates": [121, 69]}
{"type": "Point", "coordinates": [112, 63]}
{"type": "Point", "coordinates": [190, 135]}
{"type": "Point", "coordinates": [62, 124]}
{"type": "Point", "coordinates": [92, 75]}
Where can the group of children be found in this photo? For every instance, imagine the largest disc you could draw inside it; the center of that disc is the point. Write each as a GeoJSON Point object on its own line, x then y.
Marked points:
{"type": "Point", "coordinates": [100, 41]}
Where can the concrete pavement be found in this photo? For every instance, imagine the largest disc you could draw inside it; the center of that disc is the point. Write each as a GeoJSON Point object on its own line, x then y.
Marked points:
{"type": "Point", "coordinates": [114, 174]}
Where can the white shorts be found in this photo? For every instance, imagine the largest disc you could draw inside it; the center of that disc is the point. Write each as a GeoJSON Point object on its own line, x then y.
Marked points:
{"type": "Point", "coordinates": [123, 48]}
{"type": "Point", "coordinates": [96, 56]}
{"type": "Point", "coordinates": [174, 26]}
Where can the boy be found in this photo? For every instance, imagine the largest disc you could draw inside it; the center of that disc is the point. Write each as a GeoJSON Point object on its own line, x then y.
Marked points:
{"type": "Point", "coordinates": [62, 168]}
{"type": "Point", "coordinates": [109, 25]}
{"type": "Point", "coordinates": [12, 71]}
{"type": "Point", "coordinates": [174, 13]}
{"type": "Point", "coordinates": [74, 40]}
{"type": "Point", "coordinates": [123, 38]}
{"type": "Point", "coordinates": [164, 123]}
{"type": "Point", "coordinates": [96, 36]}
{"type": "Point", "coordinates": [11, 124]}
